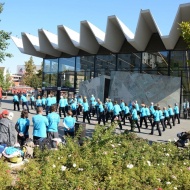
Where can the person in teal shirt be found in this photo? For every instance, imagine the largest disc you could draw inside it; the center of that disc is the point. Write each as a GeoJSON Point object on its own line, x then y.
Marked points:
{"type": "Point", "coordinates": [53, 120]}
{"type": "Point", "coordinates": [167, 117]}
{"type": "Point", "coordinates": [126, 114]}
{"type": "Point", "coordinates": [39, 102]}
{"type": "Point", "coordinates": [156, 121]}
{"type": "Point", "coordinates": [44, 102]}
{"type": "Point", "coordinates": [16, 102]}
{"type": "Point", "coordinates": [143, 116]}
{"type": "Point", "coordinates": [109, 113]}
{"type": "Point", "coordinates": [48, 104]}
{"type": "Point", "coordinates": [40, 124]}
{"type": "Point", "coordinates": [32, 101]}
{"type": "Point", "coordinates": [74, 109]}
{"type": "Point", "coordinates": [171, 114]}
{"type": "Point", "coordinates": [101, 113]}
{"type": "Point", "coordinates": [134, 118]}
{"type": "Point", "coordinates": [24, 102]}
{"type": "Point", "coordinates": [85, 110]}
{"type": "Point", "coordinates": [69, 124]}
{"type": "Point", "coordinates": [22, 126]}
{"type": "Point", "coordinates": [62, 105]}
{"type": "Point", "coordinates": [176, 113]}
{"type": "Point", "coordinates": [116, 114]}
{"type": "Point", "coordinates": [161, 118]}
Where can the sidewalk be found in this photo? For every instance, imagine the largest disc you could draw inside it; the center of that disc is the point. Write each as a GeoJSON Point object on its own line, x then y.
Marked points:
{"type": "Point", "coordinates": [166, 135]}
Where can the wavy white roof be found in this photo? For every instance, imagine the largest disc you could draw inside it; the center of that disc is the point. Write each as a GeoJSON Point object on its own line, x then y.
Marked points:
{"type": "Point", "coordinates": [91, 38]}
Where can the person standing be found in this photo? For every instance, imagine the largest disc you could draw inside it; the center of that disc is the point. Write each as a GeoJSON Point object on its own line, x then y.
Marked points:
{"type": "Point", "coordinates": [143, 116]}
{"type": "Point", "coordinates": [39, 102]}
{"type": "Point", "coordinates": [74, 109]}
{"type": "Point", "coordinates": [40, 124]}
{"type": "Point", "coordinates": [22, 126]}
{"type": "Point", "coordinates": [109, 113]}
{"type": "Point", "coordinates": [80, 102]}
{"type": "Point", "coordinates": [7, 132]}
{"type": "Point", "coordinates": [44, 102]}
{"type": "Point", "coordinates": [16, 102]}
{"type": "Point", "coordinates": [162, 119]}
{"type": "Point", "coordinates": [167, 117]}
{"type": "Point", "coordinates": [156, 121]}
{"type": "Point", "coordinates": [32, 101]}
{"type": "Point", "coordinates": [171, 114]}
{"type": "Point", "coordinates": [122, 106]}
{"type": "Point", "coordinates": [24, 102]}
{"type": "Point", "coordinates": [69, 124]}
{"type": "Point", "coordinates": [48, 104]}
{"type": "Point", "coordinates": [62, 106]}
{"type": "Point", "coordinates": [148, 115]}
{"type": "Point", "coordinates": [126, 114]}
{"type": "Point", "coordinates": [85, 110]}
{"type": "Point", "coordinates": [137, 107]}
{"type": "Point", "coordinates": [53, 120]}
{"type": "Point", "coordinates": [176, 113]}
{"type": "Point", "coordinates": [134, 118]}
{"type": "Point", "coordinates": [116, 114]}
{"type": "Point", "coordinates": [101, 114]}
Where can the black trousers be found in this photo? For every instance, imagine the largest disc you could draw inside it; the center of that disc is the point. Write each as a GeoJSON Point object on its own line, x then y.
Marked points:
{"type": "Point", "coordinates": [136, 123]}
{"type": "Point", "coordinates": [32, 103]}
{"type": "Point", "coordinates": [109, 115]}
{"type": "Point", "coordinates": [157, 124]}
{"type": "Point", "coordinates": [172, 117]}
{"type": "Point", "coordinates": [168, 122]}
{"type": "Point", "coordinates": [163, 124]}
{"type": "Point", "coordinates": [16, 104]}
{"type": "Point", "coordinates": [62, 109]}
{"type": "Point", "coordinates": [145, 121]}
{"type": "Point", "coordinates": [86, 116]}
{"type": "Point", "coordinates": [176, 116]}
{"type": "Point", "coordinates": [101, 117]}
{"type": "Point", "coordinates": [25, 104]}
{"type": "Point", "coordinates": [126, 116]}
{"type": "Point", "coordinates": [119, 122]}
{"type": "Point", "coordinates": [75, 114]}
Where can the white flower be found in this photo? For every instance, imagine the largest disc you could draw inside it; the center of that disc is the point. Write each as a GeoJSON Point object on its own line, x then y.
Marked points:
{"type": "Point", "coordinates": [80, 169]}
{"type": "Point", "coordinates": [174, 177]}
{"type": "Point", "coordinates": [119, 144]}
{"type": "Point", "coordinates": [109, 177]}
{"type": "Point", "coordinates": [159, 179]}
{"type": "Point", "coordinates": [105, 153]}
{"type": "Point", "coordinates": [169, 140]}
{"type": "Point", "coordinates": [63, 168]}
{"type": "Point", "coordinates": [69, 155]}
{"type": "Point", "coordinates": [148, 162]}
{"type": "Point", "coordinates": [175, 187]}
{"type": "Point", "coordinates": [175, 141]}
{"type": "Point", "coordinates": [58, 158]}
{"type": "Point", "coordinates": [113, 145]}
{"type": "Point", "coordinates": [163, 164]}
{"type": "Point", "coordinates": [130, 166]}
{"type": "Point", "coordinates": [158, 164]}
{"type": "Point", "coordinates": [168, 183]}
{"type": "Point", "coordinates": [184, 163]}
{"type": "Point", "coordinates": [54, 166]}
{"type": "Point", "coordinates": [167, 154]}
{"type": "Point", "coordinates": [74, 165]}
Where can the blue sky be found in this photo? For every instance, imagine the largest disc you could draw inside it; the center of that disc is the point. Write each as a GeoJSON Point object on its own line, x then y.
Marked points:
{"type": "Point", "coordinates": [29, 16]}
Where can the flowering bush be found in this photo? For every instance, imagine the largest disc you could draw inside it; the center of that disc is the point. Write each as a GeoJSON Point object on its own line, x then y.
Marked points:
{"type": "Point", "coordinates": [108, 161]}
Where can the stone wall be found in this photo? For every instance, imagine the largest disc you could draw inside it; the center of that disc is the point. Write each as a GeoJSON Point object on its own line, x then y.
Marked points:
{"type": "Point", "coordinates": [146, 88]}
{"type": "Point", "coordinates": [93, 86]}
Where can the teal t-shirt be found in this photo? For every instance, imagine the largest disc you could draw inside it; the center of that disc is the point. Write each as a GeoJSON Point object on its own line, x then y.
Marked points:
{"type": "Point", "coordinates": [40, 123]}
{"type": "Point", "coordinates": [53, 119]}
{"type": "Point", "coordinates": [22, 125]}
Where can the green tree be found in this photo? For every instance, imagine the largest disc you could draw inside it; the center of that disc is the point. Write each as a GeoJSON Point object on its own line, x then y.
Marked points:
{"type": "Point", "coordinates": [31, 77]}
{"type": "Point", "coordinates": [5, 81]}
{"type": "Point", "coordinates": [4, 37]}
{"type": "Point", "coordinates": [185, 32]}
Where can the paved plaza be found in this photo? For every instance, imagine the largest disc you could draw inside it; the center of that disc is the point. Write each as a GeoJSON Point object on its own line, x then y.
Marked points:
{"type": "Point", "coordinates": [166, 135]}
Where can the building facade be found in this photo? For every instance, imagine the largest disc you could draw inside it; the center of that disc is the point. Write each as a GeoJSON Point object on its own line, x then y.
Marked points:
{"type": "Point", "coordinates": [70, 58]}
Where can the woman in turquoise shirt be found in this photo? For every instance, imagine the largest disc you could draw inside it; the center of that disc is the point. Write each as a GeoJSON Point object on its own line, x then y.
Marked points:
{"type": "Point", "coordinates": [176, 113]}
{"type": "Point", "coordinates": [69, 124]}
{"type": "Point", "coordinates": [171, 114]}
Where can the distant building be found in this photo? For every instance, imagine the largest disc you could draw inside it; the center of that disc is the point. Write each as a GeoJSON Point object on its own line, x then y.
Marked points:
{"type": "Point", "coordinates": [21, 69]}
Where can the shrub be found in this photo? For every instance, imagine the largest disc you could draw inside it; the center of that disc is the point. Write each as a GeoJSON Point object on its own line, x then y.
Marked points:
{"type": "Point", "coordinates": [108, 161]}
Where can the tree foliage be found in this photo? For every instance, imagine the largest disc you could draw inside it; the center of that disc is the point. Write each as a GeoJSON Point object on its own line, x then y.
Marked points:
{"type": "Point", "coordinates": [31, 77]}
{"type": "Point", "coordinates": [5, 81]}
{"type": "Point", "coordinates": [185, 32]}
{"type": "Point", "coordinates": [4, 37]}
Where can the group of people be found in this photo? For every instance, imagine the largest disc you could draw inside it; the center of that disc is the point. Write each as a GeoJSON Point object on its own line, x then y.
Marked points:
{"type": "Point", "coordinates": [47, 126]}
